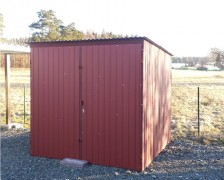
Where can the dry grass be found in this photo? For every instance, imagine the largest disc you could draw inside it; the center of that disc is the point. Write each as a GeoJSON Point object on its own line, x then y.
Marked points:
{"type": "Point", "coordinates": [18, 76]}
{"type": "Point", "coordinates": [194, 76]}
{"type": "Point", "coordinates": [184, 102]}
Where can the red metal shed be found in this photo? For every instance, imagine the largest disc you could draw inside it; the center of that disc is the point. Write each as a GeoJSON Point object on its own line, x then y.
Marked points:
{"type": "Point", "coordinates": [106, 101]}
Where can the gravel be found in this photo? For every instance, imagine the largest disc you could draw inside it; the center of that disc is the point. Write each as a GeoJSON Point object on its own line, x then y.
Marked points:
{"type": "Point", "coordinates": [181, 159]}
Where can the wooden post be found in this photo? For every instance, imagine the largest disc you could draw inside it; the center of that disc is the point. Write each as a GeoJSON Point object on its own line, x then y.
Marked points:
{"type": "Point", "coordinates": [7, 87]}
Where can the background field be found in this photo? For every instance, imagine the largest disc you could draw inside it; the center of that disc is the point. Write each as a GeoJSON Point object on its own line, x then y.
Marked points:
{"type": "Point", "coordinates": [20, 80]}
{"type": "Point", "coordinates": [185, 85]}
{"type": "Point", "coordinates": [195, 76]}
{"type": "Point", "coordinates": [184, 101]}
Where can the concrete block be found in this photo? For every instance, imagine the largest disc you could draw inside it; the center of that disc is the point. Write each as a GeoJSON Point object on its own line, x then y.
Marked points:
{"type": "Point", "coordinates": [4, 127]}
{"type": "Point", "coordinates": [15, 125]}
{"type": "Point", "coordinates": [74, 163]}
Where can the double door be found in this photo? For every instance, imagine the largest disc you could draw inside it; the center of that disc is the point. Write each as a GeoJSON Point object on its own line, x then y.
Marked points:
{"type": "Point", "coordinates": [86, 103]}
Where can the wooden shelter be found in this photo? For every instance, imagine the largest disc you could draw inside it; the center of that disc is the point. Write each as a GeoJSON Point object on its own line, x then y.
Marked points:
{"type": "Point", "coordinates": [7, 50]}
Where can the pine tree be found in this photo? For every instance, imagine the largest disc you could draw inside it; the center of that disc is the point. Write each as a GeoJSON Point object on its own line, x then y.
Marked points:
{"type": "Point", "coordinates": [1, 27]}
{"type": "Point", "coordinates": [71, 33]}
{"type": "Point", "coordinates": [47, 28]}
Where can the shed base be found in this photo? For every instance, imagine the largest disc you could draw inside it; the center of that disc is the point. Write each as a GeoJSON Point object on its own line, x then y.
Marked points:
{"type": "Point", "coordinates": [6, 127]}
{"type": "Point", "coordinates": [75, 163]}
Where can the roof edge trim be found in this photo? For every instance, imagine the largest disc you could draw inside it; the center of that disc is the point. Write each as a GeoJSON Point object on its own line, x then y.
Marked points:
{"type": "Point", "coordinates": [107, 39]}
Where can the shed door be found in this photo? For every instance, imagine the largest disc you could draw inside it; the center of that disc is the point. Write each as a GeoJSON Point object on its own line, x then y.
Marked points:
{"type": "Point", "coordinates": [92, 85]}
{"type": "Point", "coordinates": [110, 83]}
{"type": "Point", "coordinates": [55, 101]}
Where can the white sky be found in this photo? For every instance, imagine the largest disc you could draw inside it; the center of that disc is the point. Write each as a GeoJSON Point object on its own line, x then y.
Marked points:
{"type": "Point", "coordinates": [183, 27]}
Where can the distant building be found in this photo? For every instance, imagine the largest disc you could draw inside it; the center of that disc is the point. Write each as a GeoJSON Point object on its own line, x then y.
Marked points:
{"type": "Point", "coordinates": [212, 66]}
{"type": "Point", "coordinates": [178, 65]}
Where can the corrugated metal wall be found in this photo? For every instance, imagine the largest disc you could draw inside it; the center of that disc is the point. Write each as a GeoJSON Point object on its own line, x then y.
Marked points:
{"type": "Point", "coordinates": [106, 102]}
{"type": "Point", "coordinates": [111, 96]}
{"type": "Point", "coordinates": [156, 102]}
{"type": "Point", "coordinates": [55, 101]}
{"type": "Point", "coordinates": [104, 81]}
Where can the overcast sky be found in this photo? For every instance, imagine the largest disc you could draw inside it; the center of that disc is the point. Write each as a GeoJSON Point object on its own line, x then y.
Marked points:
{"type": "Point", "coordinates": [183, 27]}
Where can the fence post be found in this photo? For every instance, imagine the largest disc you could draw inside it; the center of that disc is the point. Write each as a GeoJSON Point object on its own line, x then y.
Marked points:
{"type": "Point", "coordinates": [198, 112]}
{"type": "Point", "coordinates": [24, 110]}
{"type": "Point", "coordinates": [7, 88]}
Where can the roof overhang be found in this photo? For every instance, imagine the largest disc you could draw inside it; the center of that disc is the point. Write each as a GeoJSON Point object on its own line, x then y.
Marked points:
{"type": "Point", "coordinates": [104, 39]}
{"type": "Point", "coordinates": [13, 49]}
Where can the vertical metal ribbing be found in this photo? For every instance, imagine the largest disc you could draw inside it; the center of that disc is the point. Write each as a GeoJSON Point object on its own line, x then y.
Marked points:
{"type": "Point", "coordinates": [81, 103]}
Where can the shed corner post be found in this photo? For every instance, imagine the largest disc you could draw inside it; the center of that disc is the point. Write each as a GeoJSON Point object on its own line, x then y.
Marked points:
{"type": "Point", "coordinates": [7, 87]}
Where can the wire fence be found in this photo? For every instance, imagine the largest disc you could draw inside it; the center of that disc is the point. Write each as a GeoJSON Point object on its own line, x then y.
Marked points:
{"type": "Point", "coordinates": [197, 110]}
{"type": "Point", "coordinates": [184, 106]}
{"type": "Point", "coordinates": [19, 104]}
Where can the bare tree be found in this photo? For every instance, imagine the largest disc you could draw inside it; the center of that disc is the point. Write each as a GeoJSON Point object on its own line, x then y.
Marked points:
{"type": "Point", "coordinates": [218, 57]}
{"type": "Point", "coordinates": [203, 61]}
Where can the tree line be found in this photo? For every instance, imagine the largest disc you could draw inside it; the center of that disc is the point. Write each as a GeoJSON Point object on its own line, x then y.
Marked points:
{"type": "Point", "coordinates": [216, 56]}
{"type": "Point", "coordinates": [50, 28]}
{"type": "Point", "coordinates": [16, 61]}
